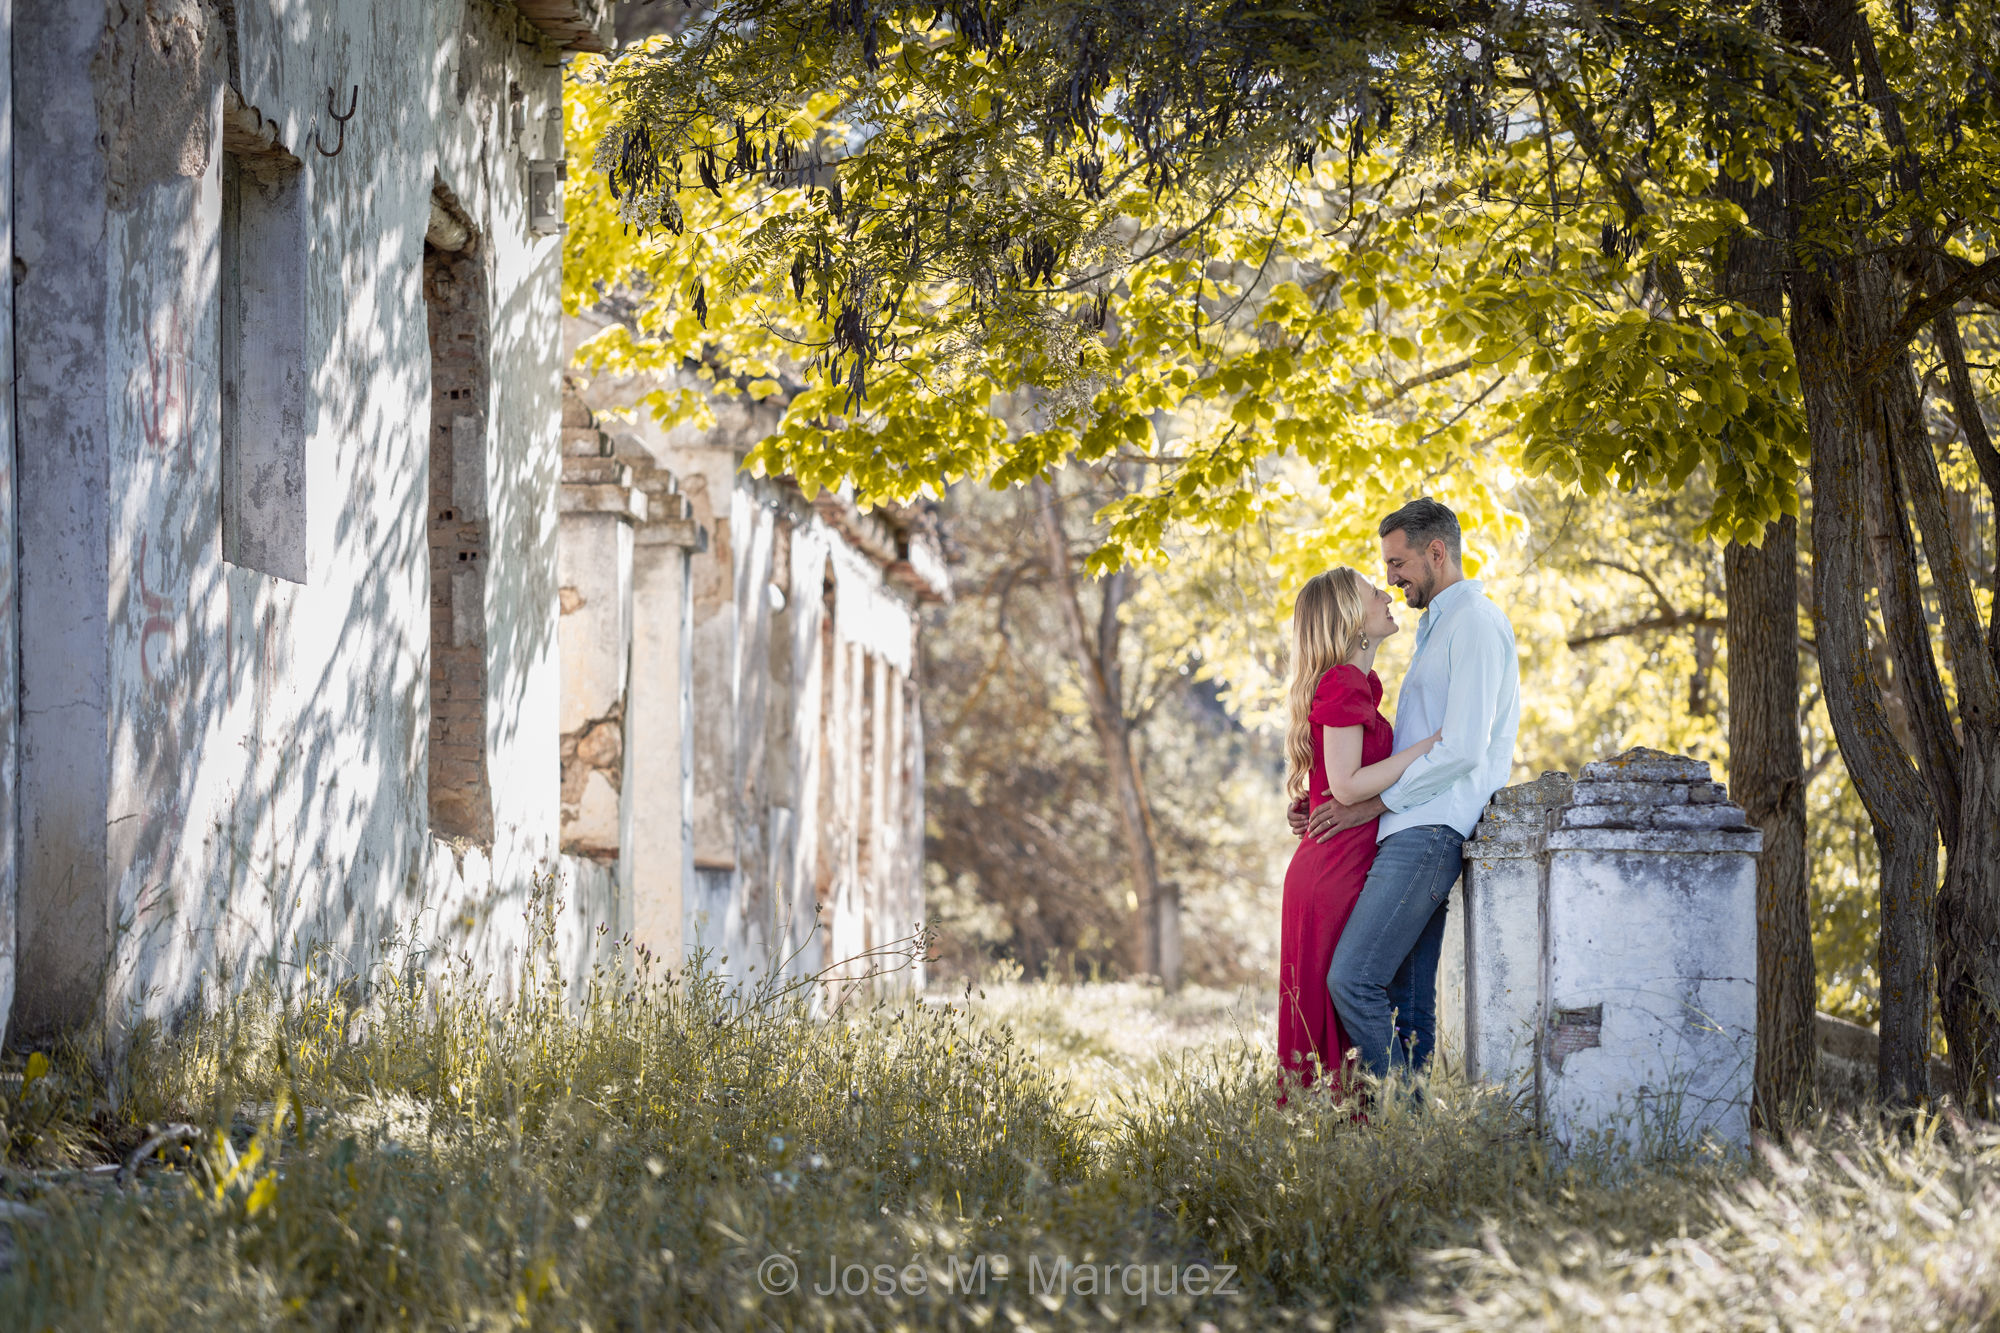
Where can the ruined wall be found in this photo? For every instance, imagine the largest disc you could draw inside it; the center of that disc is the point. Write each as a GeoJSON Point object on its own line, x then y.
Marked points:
{"type": "Point", "coordinates": [806, 740]}
{"type": "Point", "coordinates": [221, 767]}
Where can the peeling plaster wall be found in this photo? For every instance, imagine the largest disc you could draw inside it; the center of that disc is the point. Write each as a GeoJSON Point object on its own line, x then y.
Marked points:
{"type": "Point", "coordinates": [596, 642]}
{"type": "Point", "coordinates": [222, 770]}
{"type": "Point", "coordinates": [656, 854]}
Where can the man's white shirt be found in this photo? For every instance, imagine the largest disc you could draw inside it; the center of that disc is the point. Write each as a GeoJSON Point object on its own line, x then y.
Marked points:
{"type": "Point", "coordinates": [1464, 677]}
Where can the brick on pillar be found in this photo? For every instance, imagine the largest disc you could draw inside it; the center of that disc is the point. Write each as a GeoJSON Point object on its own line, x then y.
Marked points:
{"type": "Point", "coordinates": [1649, 994]}
{"type": "Point", "coordinates": [599, 506]}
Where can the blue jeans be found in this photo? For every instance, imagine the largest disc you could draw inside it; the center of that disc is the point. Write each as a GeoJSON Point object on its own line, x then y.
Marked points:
{"type": "Point", "coordinates": [1384, 973]}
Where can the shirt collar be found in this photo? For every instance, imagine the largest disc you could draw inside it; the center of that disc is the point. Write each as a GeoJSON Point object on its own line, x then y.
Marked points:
{"type": "Point", "coordinates": [1452, 596]}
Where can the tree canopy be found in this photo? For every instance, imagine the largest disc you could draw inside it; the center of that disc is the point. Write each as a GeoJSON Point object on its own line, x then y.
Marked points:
{"type": "Point", "coordinates": [1364, 238]}
{"type": "Point", "coordinates": [1271, 266]}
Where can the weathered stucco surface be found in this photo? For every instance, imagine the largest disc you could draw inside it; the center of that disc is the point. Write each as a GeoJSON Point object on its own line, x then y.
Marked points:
{"type": "Point", "coordinates": [1611, 952]}
{"type": "Point", "coordinates": [338, 636]}
{"type": "Point", "coordinates": [220, 769]}
{"type": "Point", "coordinates": [62, 404]}
{"type": "Point", "coordinates": [1501, 932]}
{"type": "Point", "coordinates": [1650, 1003]}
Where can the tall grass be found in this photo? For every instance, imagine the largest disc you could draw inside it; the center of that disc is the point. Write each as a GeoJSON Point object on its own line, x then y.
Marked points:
{"type": "Point", "coordinates": [631, 1150]}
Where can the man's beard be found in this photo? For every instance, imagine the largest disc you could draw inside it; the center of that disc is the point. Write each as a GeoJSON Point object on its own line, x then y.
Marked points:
{"type": "Point", "coordinates": [1417, 593]}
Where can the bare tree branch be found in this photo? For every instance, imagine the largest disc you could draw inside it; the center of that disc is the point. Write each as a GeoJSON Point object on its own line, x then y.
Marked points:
{"type": "Point", "coordinates": [1672, 621]}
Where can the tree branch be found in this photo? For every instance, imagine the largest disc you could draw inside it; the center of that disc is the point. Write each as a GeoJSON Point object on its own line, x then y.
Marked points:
{"type": "Point", "coordinates": [1665, 602]}
{"type": "Point", "coordinates": [1580, 126]}
{"type": "Point", "coordinates": [1965, 403]}
{"type": "Point", "coordinates": [1921, 311]}
{"type": "Point", "coordinates": [1406, 387]}
{"type": "Point", "coordinates": [1670, 621]}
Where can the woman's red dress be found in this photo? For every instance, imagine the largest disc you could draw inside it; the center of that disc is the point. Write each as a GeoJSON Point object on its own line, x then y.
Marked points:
{"type": "Point", "coordinates": [1322, 883]}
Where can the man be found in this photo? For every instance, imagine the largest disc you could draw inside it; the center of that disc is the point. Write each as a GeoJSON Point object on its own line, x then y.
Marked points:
{"type": "Point", "coordinates": [1463, 680]}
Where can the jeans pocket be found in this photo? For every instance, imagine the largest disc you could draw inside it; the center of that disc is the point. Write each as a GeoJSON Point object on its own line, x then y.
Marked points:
{"type": "Point", "coordinates": [1443, 848]}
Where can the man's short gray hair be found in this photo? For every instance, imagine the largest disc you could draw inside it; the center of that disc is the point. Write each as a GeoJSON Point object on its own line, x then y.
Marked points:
{"type": "Point", "coordinates": [1423, 522]}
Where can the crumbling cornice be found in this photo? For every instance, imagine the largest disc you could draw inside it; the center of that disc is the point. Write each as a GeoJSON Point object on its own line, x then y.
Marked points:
{"type": "Point", "coordinates": [574, 25]}
{"type": "Point", "coordinates": [909, 557]}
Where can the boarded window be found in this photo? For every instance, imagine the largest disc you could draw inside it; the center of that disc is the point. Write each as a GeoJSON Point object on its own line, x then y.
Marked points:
{"type": "Point", "coordinates": [264, 381]}
{"type": "Point", "coordinates": [455, 299]}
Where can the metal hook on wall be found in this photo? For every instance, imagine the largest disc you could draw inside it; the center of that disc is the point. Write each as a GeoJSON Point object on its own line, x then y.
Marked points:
{"type": "Point", "coordinates": [353, 99]}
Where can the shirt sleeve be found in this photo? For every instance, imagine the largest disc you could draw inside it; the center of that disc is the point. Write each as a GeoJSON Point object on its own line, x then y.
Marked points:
{"type": "Point", "coordinates": [1343, 699]}
{"type": "Point", "coordinates": [1475, 661]}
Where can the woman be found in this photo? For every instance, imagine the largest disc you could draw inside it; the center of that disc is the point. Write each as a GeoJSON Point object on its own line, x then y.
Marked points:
{"type": "Point", "coordinates": [1338, 745]}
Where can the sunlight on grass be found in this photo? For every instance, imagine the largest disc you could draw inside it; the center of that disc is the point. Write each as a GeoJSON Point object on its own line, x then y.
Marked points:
{"type": "Point", "coordinates": [631, 1151]}
{"type": "Point", "coordinates": [1111, 1040]}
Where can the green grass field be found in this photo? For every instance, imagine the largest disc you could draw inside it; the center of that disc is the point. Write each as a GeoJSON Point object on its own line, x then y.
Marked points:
{"type": "Point", "coordinates": [615, 1152]}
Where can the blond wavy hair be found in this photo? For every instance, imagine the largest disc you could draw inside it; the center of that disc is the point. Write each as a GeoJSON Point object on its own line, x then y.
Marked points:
{"type": "Point", "coordinates": [1326, 631]}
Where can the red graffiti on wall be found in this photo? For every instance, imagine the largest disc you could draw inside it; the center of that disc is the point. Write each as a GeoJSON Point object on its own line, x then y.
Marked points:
{"type": "Point", "coordinates": [163, 404]}
{"type": "Point", "coordinates": [157, 624]}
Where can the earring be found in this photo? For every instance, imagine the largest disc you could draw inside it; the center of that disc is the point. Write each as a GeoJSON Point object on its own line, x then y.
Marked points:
{"type": "Point", "coordinates": [1364, 643]}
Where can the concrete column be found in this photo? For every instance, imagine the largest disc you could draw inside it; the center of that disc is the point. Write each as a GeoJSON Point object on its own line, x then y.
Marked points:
{"type": "Point", "coordinates": [657, 857]}
{"type": "Point", "coordinates": [1498, 937]}
{"type": "Point", "coordinates": [910, 811]}
{"type": "Point", "coordinates": [1649, 998]}
{"type": "Point", "coordinates": [63, 393]}
{"type": "Point", "coordinates": [803, 939]}
{"type": "Point", "coordinates": [751, 916]}
{"type": "Point", "coordinates": [10, 693]}
{"type": "Point", "coordinates": [598, 509]}
{"type": "Point", "coordinates": [879, 868]}
{"type": "Point", "coordinates": [797, 770]}
{"type": "Point", "coordinates": [844, 738]}
{"type": "Point", "coordinates": [708, 475]}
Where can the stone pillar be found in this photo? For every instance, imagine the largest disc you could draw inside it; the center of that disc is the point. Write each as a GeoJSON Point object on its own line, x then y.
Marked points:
{"type": "Point", "coordinates": [64, 389]}
{"type": "Point", "coordinates": [9, 638]}
{"type": "Point", "coordinates": [599, 507]}
{"type": "Point", "coordinates": [1499, 935]}
{"type": "Point", "coordinates": [657, 859]}
{"type": "Point", "coordinates": [708, 476]}
{"type": "Point", "coordinates": [1649, 992]}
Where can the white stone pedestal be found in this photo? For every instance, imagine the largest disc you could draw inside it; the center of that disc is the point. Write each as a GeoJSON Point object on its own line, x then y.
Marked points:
{"type": "Point", "coordinates": [1610, 954]}
{"type": "Point", "coordinates": [1649, 994]}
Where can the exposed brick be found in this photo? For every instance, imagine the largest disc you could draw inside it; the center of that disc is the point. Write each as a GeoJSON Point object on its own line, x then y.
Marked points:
{"type": "Point", "coordinates": [456, 301]}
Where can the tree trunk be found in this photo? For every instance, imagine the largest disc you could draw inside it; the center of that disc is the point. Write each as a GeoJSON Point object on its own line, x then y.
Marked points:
{"type": "Point", "coordinates": [1966, 912]}
{"type": "Point", "coordinates": [1972, 425]}
{"type": "Point", "coordinates": [1902, 599]}
{"type": "Point", "coordinates": [1961, 770]}
{"type": "Point", "coordinates": [1898, 803]}
{"type": "Point", "coordinates": [1767, 775]}
{"type": "Point", "coordinates": [1968, 908]}
{"type": "Point", "coordinates": [1967, 795]}
{"type": "Point", "coordinates": [1158, 913]}
{"type": "Point", "coordinates": [1766, 761]}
